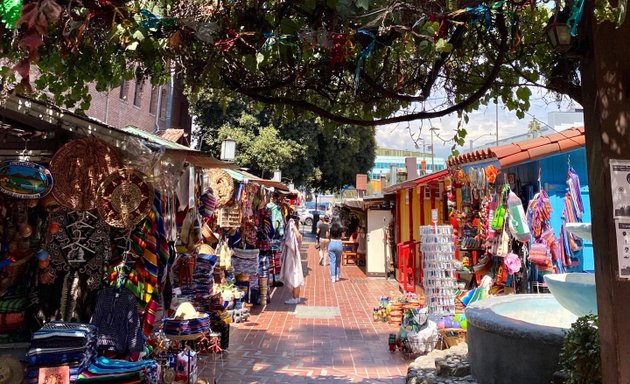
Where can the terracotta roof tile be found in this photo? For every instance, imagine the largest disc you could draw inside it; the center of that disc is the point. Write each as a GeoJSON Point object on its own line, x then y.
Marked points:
{"type": "Point", "coordinates": [519, 157]}
{"type": "Point", "coordinates": [571, 143]}
{"type": "Point", "coordinates": [526, 150]}
{"type": "Point", "coordinates": [172, 134]}
{"type": "Point", "coordinates": [505, 150]}
{"type": "Point", "coordinates": [543, 150]}
{"type": "Point", "coordinates": [527, 144]}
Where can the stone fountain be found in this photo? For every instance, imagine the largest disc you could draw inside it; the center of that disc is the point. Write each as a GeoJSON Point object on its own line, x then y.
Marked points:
{"type": "Point", "coordinates": [517, 339]}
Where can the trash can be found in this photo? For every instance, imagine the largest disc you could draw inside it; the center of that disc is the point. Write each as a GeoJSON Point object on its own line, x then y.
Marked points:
{"type": "Point", "coordinates": [315, 220]}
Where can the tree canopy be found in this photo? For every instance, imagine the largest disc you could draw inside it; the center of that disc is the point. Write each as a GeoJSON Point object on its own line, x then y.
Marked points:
{"type": "Point", "coordinates": [351, 61]}
{"type": "Point", "coordinates": [307, 152]}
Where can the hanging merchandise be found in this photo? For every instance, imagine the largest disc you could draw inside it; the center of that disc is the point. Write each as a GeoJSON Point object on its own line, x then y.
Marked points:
{"type": "Point", "coordinates": [125, 198]}
{"type": "Point", "coordinates": [208, 204]}
{"type": "Point", "coordinates": [80, 167]}
{"type": "Point", "coordinates": [518, 221]}
{"type": "Point", "coordinates": [25, 180]}
{"type": "Point", "coordinates": [229, 217]}
{"type": "Point", "coordinates": [499, 212]}
{"type": "Point", "coordinates": [572, 213]}
{"type": "Point", "coordinates": [79, 252]}
{"type": "Point", "coordinates": [117, 320]}
{"type": "Point", "coordinates": [222, 185]}
{"type": "Point", "coordinates": [544, 251]}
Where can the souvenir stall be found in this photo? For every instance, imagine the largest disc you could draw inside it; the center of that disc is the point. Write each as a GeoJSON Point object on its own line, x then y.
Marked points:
{"type": "Point", "coordinates": [509, 207]}
{"type": "Point", "coordinates": [250, 219]}
{"type": "Point", "coordinates": [420, 201]}
{"type": "Point", "coordinates": [88, 230]}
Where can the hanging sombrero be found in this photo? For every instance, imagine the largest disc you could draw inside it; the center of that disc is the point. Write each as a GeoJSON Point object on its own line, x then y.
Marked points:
{"type": "Point", "coordinates": [125, 198]}
{"type": "Point", "coordinates": [79, 167]}
{"type": "Point", "coordinates": [222, 185]}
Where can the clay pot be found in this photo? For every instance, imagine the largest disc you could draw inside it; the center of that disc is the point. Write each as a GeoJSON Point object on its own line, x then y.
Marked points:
{"type": "Point", "coordinates": [43, 264]}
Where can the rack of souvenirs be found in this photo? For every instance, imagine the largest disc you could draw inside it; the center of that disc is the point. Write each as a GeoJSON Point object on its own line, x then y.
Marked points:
{"type": "Point", "coordinates": [507, 241]}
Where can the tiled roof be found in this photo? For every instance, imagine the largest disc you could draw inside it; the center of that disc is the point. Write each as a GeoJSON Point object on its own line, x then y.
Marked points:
{"type": "Point", "coordinates": [527, 150]}
{"type": "Point", "coordinates": [172, 134]}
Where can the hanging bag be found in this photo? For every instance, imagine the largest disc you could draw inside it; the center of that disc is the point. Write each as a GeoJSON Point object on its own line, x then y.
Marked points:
{"type": "Point", "coordinates": [518, 221]}
{"type": "Point", "coordinates": [499, 213]}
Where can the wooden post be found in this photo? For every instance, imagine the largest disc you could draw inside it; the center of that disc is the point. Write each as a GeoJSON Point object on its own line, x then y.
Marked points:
{"type": "Point", "coordinates": [605, 75]}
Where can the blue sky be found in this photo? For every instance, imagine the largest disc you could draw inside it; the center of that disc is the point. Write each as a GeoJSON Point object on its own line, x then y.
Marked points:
{"type": "Point", "coordinates": [481, 126]}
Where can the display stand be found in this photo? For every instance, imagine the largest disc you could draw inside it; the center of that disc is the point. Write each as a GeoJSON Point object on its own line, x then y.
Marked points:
{"type": "Point", "coordinates": [438, 251]}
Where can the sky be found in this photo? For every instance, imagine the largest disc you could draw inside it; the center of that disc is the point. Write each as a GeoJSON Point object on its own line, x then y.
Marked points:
{"type": "Point", "coordinates": [481, 126]}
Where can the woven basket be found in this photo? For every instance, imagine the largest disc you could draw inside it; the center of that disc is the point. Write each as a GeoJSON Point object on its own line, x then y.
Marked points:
{"type": "Point", "coordinates": [453, 336]}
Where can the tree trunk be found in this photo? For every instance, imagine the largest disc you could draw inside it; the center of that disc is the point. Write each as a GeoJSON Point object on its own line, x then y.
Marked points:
{"type": "Point", "coordinates": [606, 88]}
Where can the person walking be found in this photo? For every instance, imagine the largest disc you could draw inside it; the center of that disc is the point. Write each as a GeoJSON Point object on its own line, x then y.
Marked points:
{"type": "Point", "coordinates": [291, 273]}
{"type": "Point", "coordinates": [335, 248]}
{"type": "Point", "coordinates": [323, 232]}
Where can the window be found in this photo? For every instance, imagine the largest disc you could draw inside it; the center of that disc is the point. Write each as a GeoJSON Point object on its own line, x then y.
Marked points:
{"type": "Point", "coordinates": [124, 89]}
{"type": "Point", "coordinates": [163, 104]}
{"type": "Point", "coordinates": [154, 100]}
{"type": "Point", "coordinates": [137, 95]}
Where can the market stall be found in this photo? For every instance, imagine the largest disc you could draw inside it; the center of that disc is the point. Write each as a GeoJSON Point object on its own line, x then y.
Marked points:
{"type": "Point", "coordinates": [91, 225]}
{"type": "Point", "coordinates": [511, 205]}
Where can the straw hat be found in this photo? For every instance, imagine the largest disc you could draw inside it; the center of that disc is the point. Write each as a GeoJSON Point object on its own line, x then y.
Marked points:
{"type": "Point", "coordinates": [11, 371]}
{"type": "Point", "coordinates": [79, 167]}
{"type": "Point", "coordinates": [125, 198]}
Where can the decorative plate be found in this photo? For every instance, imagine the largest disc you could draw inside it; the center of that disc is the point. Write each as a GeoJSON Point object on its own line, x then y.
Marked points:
{"type": "Point", "coordinates": [125, 198]}
{"type": "Point", "coordinates": [80, 167]}
{"type": "Point", "coordinates": [25, 180]}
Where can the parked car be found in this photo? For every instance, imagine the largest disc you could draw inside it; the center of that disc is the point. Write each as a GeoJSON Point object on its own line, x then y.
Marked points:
{"type": "Point", "coordinates": [306, 217]}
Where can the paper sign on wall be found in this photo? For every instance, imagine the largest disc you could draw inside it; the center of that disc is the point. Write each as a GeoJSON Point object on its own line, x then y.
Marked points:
{"type": "Point", "coordinates": [620, 190]}
{"type": "Point", "coordinates": [434, 215]}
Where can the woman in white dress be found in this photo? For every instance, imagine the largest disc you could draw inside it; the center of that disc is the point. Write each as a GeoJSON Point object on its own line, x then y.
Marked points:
{"type": "Point", "coordinates": [291, 273]}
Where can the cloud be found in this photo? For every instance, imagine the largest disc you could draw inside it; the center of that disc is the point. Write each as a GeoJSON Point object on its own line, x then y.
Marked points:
{"type": "Point", "coordinates": [481, 128]}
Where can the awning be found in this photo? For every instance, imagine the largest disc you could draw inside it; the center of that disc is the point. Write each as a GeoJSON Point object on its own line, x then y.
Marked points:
{"type": "Point", "coordinates": [87, 126]}
{"type": "Point", "coordinates": [239, 175]}
{"type": "Point", "coordinates": [422, 180]}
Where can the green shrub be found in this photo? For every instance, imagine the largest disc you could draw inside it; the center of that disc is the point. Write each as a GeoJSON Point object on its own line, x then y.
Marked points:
{"type": "Point", "coordinates": [579, 359]}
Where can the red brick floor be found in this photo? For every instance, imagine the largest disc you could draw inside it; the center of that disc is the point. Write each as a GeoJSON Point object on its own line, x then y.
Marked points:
{"type": "Point", "coordinates": [274, 346]}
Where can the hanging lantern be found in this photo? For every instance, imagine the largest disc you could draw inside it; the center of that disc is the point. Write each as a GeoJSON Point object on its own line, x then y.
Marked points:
{"type": "Point", "coordinates": [558, 33]}
{"type": "Point", "coordinates": [228, 149]}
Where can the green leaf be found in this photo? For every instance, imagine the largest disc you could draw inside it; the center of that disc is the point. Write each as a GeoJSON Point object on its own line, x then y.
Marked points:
{"type": "Point", "coordinates": [289, 27]}
{"type": "Point", "coordinates": [132, 46]}
{"type": "Point", "coordinates": [365, 4]}
{"type": "Point", "coordinates": [520, 114]}
{"type": "Point", "coordinates": [443, 46]}
{"type": "Point", "coordinates": [138, 35]}
{"type": "Point", "coordinates": [259, 58]}
{"type": "Point", "coordinates": [310, 5]}
{"type": "Point", "coordinates": [523, 93]}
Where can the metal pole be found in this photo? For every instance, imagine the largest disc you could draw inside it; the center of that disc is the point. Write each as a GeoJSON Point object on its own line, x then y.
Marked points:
{"type": "Point", "coordinates": [432, 153]}
{"type": "Point", "coordinates": [496, 104]}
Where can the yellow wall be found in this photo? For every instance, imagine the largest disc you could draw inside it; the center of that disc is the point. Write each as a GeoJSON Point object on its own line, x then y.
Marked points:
{"type": "Point", "coordinates": [416, 214]}
{"type": "Point", "coordinates": [405, 206]}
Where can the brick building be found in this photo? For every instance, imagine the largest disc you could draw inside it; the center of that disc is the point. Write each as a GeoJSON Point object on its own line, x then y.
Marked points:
{"type": "Point", "coordinates": [162, 110]}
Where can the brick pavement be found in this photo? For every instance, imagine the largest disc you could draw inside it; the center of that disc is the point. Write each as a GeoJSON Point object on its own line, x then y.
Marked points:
{"type": "Point", "coordinates": [278, 345]}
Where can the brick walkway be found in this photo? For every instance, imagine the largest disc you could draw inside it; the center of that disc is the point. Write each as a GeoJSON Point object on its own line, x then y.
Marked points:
{"type": "Point", "coordinates": [301, 344]}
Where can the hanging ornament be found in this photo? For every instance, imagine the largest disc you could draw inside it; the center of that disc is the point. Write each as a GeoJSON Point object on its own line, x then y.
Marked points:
{"type": "Point", "coordinates": [125, 198]}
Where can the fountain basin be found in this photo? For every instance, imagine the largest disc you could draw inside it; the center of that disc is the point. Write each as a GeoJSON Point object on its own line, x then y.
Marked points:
{"type": "Point", "coordinates": [516, 339]}
{"type": "Point", "coordinates": [574, 291]}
